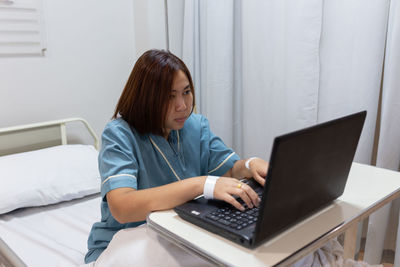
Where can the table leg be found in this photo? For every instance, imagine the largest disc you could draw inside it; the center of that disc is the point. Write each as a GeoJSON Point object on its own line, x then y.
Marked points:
{"type": "Point", "coordinates": [350, 238]}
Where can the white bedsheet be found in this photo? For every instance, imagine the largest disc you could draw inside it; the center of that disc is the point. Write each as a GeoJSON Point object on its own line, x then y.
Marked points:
{"type": "Point", "coordinates": [54, 235]}
{"type": "Point", "coordinates": [141, 246]}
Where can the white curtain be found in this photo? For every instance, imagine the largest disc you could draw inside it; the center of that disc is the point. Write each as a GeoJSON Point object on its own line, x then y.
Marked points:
{"type": "Point", "coordinates": [255, 66]}
{"type": "Point", "coordinates": [352, 50]}
{"type": "Point", "coordinates": [208, 52]}
{"type": "Point", "coordinates": [385, 222]}
{"type": "Point", "coordinates": [280, 70]}
{"type": "Point", "coordinates": [389, 138]}
{"type": "Point", "coordinates": [263, 68]}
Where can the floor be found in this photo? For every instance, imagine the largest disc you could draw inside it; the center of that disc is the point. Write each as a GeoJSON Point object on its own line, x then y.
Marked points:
{"type": "Point", "coordinates": [384, 263]}
{"type": "Point", "coordinates": [387, 255]}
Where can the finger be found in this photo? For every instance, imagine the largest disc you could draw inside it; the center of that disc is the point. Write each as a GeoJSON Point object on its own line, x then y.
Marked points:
{"type": "Point", "coordinates": [261, 168]}
{"type": "Point", "coordinates": [243, 195]}
{"type": "Point", "coordinates": [231, 200]}
{"type": "Point", "coordinates": [259, 178]}
{"type": "Point", "coordinates": [252, 195]}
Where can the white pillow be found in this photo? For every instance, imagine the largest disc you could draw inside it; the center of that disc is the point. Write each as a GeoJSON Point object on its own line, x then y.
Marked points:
{"type": "Point", "coordinates": [48, 176]}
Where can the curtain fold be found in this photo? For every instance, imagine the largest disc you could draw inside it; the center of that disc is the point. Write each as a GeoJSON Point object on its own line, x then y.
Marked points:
{"type": "Point", "coordinates": [389, 138]}
{"type": "Point", "coordinates": [255, 66]}
{"type": "Point", "coordinates": [208, 44]}
{"type": "Point", "coordinates": [352, 51]}
{"type": "Point", "coordinates": [280, 70]}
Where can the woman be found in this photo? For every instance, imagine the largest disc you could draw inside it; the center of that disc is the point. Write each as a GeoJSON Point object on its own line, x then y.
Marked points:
{"type": "Point", "coordinates": [156, 154]}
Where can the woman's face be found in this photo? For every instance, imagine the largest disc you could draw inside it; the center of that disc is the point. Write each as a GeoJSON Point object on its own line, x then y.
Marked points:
{"type": "Point", "coordinates": [180, 103]}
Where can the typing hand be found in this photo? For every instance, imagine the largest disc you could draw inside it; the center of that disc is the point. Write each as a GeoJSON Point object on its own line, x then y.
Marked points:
{"type": "Point", "coordinates": [226, 188]}
{"type": "Point", "coordinates": [258, 169]}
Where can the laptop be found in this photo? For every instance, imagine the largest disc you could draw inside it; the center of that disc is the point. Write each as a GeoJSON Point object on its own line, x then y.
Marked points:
{"type": "Point", "coordinates": [308, 170]}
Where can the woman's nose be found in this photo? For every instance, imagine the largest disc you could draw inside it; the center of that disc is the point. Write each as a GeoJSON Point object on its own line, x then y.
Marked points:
{"type": "Point", "coordinates": [180, 104]}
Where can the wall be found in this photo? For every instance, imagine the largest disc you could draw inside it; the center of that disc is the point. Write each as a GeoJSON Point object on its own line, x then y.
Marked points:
{"type": "Point", "coordinates": [90, 53]}
{"type": "Point", "coordinates": [149, 25]}
{"type": "Point", "coordinates": [91, 49]}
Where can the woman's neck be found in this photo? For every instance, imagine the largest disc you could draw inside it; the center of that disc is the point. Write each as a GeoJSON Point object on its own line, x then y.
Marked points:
{"type": "Point", "coordinates": [167, 132]}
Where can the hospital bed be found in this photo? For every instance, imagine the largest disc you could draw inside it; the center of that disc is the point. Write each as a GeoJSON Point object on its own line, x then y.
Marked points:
{"type": "Point", "coordinates": [49, 194]}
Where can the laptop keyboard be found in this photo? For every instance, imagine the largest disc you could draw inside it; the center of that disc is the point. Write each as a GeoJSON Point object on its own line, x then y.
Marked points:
{"type": "Point", "coordinates": [234, 218]}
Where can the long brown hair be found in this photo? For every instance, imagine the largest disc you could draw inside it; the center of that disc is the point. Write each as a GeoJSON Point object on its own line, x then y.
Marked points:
{"type": "Point", "coordinates": [144, 101]}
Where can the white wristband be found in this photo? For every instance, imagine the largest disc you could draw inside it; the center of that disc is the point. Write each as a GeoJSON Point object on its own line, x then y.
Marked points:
{"type": "Point", "coordinates": [209, 185]}
{"type": "Point", "coordinates": [246, 164]}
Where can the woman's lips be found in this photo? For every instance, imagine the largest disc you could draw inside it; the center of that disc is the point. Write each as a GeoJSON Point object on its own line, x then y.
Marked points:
{"type": "Point", "coordinates": [180, 119]}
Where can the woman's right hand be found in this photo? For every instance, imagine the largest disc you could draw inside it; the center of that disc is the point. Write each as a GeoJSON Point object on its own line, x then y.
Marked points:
{"type": "Point", "coordinates": [225, 188]}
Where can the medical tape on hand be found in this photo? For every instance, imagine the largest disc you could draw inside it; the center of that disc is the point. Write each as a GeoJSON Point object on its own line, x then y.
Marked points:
{"type": "Point", "coordinates": [209, 185]}
{"type": "Point", "coordinates": [247, 163]}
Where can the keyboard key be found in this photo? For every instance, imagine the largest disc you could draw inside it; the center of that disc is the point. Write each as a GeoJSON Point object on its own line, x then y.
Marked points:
{"type": "Point", "coordinates": [234, 218]}
{"type": "Point", "coordinates": [225, 222]}
{"type": "Point", "coordinates": [212, 217]}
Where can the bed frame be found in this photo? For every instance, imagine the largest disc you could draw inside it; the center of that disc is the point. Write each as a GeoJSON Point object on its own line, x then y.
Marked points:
{"type": "Point", "coordinates": [34, 136]}
{"type": "Point", "coordinates": [8, 258]}
{"type": "Point", "coordinates": [28, 137]}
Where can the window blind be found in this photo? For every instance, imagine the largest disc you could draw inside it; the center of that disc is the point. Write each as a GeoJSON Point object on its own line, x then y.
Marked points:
{"type": "Point", "coordinates": [21, 28]}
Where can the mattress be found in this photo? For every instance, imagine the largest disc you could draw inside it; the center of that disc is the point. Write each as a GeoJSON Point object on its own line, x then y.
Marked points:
{"type": "Point", "coordinates": [53, 235]}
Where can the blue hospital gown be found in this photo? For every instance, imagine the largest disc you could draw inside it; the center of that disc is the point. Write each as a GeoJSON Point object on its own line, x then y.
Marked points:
{"type": "Point", "coordinates": [128, 159]}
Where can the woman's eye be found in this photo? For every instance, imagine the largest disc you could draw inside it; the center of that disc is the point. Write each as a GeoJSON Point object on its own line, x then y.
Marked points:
{"type": "Point", "coordinates": [186, 92]}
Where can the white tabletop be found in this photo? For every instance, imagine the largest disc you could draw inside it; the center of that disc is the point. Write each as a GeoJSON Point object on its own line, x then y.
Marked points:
{"type": "Point", "coordinates": [368, 188]}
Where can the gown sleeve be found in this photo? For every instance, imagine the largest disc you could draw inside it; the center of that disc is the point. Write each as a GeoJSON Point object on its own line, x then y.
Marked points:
{"type": "Point", "coordinates": [117, 162]}
{"type": "Point", "coordinates": [220, 158]}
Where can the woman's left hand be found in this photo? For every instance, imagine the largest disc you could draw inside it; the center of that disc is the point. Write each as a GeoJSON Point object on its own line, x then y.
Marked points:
{"type": "Point", "coordinates": [258, 169]}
